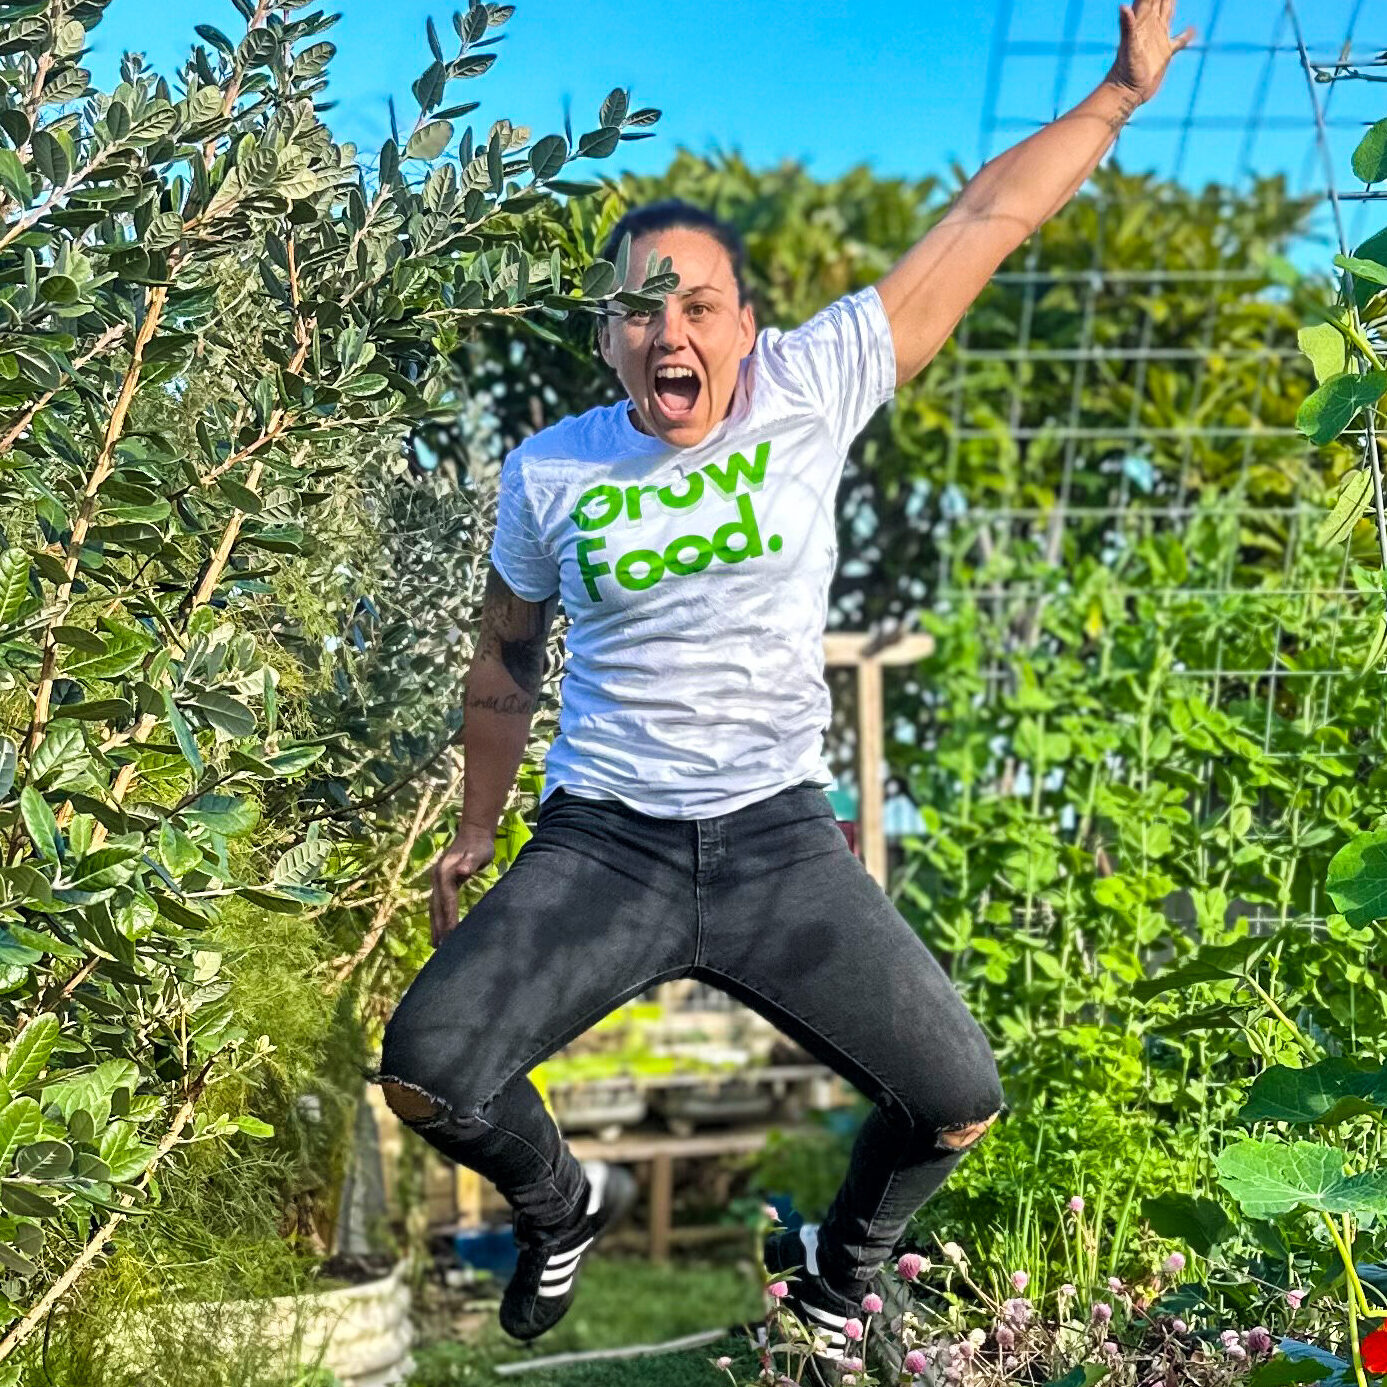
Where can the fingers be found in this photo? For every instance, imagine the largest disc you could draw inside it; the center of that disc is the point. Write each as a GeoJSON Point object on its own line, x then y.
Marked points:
{"type": "Point", "coordinates": [1184, 40]}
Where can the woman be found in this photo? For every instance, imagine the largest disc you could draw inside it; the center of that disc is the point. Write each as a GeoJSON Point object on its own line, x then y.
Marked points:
{"type": "Point", "coordinates": [684, 831]}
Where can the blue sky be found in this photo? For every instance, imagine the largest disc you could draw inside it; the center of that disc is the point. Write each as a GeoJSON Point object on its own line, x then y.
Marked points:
{"type": "Point", "coordinates": [897, 84]}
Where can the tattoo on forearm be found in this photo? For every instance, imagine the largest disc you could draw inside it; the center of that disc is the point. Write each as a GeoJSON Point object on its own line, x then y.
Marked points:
{"type": "Point", "coordinates": [1124, 114]}
{"type": "Point", "coordinates": [518, 704]}
{"type": "Point", "coordinates": [516, 633]}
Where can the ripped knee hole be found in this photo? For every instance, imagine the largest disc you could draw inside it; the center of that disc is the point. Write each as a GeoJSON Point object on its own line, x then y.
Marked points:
{"type": "Point", "coordinates": [961, 1138]}
{"type": "Point", "coordinates": [409, 1104]}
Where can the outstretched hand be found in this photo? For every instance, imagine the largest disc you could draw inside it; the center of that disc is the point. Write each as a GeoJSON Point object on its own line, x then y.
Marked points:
{"type": "Point", "coordinates": [1146, 47]}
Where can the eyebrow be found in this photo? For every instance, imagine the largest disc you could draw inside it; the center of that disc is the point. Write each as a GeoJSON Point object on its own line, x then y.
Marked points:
{"type": "Point", "coordinates": [698, 289]}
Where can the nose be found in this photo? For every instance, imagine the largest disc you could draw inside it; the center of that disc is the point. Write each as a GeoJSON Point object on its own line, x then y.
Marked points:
{"type": "Point", "coordinates": [672, 332]}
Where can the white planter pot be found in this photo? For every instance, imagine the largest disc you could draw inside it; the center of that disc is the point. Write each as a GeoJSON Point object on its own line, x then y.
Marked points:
{"type": "Point", "coordinates": [361, 1333]}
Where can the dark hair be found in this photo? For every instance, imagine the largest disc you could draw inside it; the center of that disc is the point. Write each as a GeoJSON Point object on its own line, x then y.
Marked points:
{"type": "Point", "coordinates": [673, 212]}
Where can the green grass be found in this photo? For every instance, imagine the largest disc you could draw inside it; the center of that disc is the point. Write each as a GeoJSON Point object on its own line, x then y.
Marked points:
{"type": "Point", "coordinates": [619, 1302]}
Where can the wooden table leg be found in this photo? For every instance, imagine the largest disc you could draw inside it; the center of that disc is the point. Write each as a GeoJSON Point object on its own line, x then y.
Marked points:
{"type": "Point", "coordinates": [661, 1205]}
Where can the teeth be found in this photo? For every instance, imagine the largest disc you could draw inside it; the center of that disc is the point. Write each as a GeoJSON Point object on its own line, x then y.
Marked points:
{"type": "Point", "coordinates": [672, 372]}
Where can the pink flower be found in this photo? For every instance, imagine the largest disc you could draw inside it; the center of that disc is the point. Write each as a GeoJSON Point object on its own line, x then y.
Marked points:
{"type": "Point", "coordinates": [778, 1289]}
{"type": "Point", "coordinates": [871, 1304]}
{"type": "Point", "coordinates": [852, 1365]}
{"type": "Point", "coordinates": [722, 1364]}
{"type": "Point", "coordinates": [1294, 1298]}
{"type": "Point", "coordinates": [1068, 1291]}
{"type": "Point", "coordinates": [1115, 1285]}
{"type": "Point", "coordinates": [1101, 1312]}
{"type": "Point", "coordinates": [915, 1361]}
{"type": "Point", "coordinates": [1175, 1262]}
{"type": "Point", "coordinates": [1231, 1338]}
{"type": "Point", "coordinates": [1006, 1338]}
{"type": "Point", "coordinates": [1017, 1311]}
{"type": "Point", "coordinates": [1020, 1280]}
{"type": "Point", "coordinates": [1076, 1204]}
{"type": "Point", "coordinates": [1110, 1348]}
{"type": "Point", "coordinates": [1237, 1352]}
{"type": "Point", "coordinates": [965, 1350]}
{"type": "Point", "coordinates": [853, 1329]}
{"type": "Point", "coordinates": [1258, 1340]}
{"type": "Point", "coordinates": [769, 1211]}
{"type": "Point", "coordinates": [1179, 1327]}
{"type": "Point", "coordinates": [910, 1265]}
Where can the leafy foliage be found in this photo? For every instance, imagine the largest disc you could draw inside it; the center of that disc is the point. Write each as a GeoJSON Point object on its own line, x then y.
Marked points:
{"type": "Point", "coordinates": [215, 326]}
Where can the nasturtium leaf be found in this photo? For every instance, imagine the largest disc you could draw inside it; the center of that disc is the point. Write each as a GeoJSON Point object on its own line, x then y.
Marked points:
{"type": "Point", "coordinates": [1268, 1178]}
{"type": "Point", "coordinates": [430, 140]}
{"type": "Point", "coordinates": [40, 822]}
{"type": "Point", "coordinates": [1286, 1372]}
{"type": "Point", "coordinates": [1374, 248]}
{"type": "Point", "coordinates": [1355, 495]}
{"type": "Point", "coordinates": [20, 1123]}
{"type": "Point", "coordinates": [1333, 407]}
{"type": "Point", "coordinates": [1337, 1372]}
{"type": "Point", "coordinates": [1329, 1091]}
{"type": "Point", "coordinates": [1370, 158]}
{"type": "Point", "coordinates": [1327, 349]}
{"type": "Point", "coordinates": [1357, 878]}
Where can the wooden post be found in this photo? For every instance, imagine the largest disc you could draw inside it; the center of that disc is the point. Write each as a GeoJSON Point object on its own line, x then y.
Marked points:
{"type": "Point", "coordinates": [661, 1205]}
{"type": "Point", "coordinates": [866, 654]}
{"type": "Point", "coordinates": [871, 758]}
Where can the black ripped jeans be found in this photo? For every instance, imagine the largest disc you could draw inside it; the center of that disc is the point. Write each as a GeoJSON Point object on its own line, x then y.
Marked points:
{"type": "Point", "coordinates": [767, 903]}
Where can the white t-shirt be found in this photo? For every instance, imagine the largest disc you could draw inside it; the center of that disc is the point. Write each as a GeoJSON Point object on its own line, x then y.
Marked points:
{"type": "Point", "coordinates": [696, 579]}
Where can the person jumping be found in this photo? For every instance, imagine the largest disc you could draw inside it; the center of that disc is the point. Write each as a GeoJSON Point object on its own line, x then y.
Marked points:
{"type": "Point", "coordinates": [683, 830]}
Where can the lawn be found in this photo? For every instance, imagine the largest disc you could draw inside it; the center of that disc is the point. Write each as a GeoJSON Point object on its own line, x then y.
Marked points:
{"type": "Point", "coordinates": [621, 1301]}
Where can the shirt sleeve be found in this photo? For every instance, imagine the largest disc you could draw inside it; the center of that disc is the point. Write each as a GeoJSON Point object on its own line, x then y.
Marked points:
{"type": "Point", "coordinates": [843, 359]}
{"type": "Point", "coordinates": [518, 551]}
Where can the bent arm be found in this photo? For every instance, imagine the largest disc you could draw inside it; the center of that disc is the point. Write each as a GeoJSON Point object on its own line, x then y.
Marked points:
{"type": "Point", "coordinates": [501, 694]}
{"type": "Point", "coordinates": [931, 286]}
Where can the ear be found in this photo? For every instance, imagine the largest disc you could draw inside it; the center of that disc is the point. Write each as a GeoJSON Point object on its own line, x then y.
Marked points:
{"type": "Point", "coordinates": [747, 329]}
{"type": "Point", "coordinates": [604, 342]}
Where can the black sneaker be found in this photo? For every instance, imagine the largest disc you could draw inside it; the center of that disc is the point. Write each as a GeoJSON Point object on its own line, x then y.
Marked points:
{"type": "Point", "coordinates": [544, 1282]}
{"type": "Point", "coordinates": [792, 1256]}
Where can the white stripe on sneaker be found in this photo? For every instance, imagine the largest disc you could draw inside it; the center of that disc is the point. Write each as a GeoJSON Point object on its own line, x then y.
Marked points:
{"type": "Point", "coordinates": [597, 1178]}
{"type": "Point", "coordinates": [560, 1289]}
{"type": "Point", "coordinates": [826, 1316]}
{"type": "Point", "coordinates": [809, 1236]}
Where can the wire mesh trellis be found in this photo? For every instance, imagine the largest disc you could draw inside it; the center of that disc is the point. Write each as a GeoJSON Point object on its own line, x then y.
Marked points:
{"type": "Point", "coordinates": [1121, 433]}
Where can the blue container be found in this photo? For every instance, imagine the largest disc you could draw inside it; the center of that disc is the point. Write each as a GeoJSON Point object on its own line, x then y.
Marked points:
{"type": "Point", "coordinates": [490, 1247]}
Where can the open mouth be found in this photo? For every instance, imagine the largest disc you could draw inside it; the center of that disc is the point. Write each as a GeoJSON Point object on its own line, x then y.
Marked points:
{"type": "Point", "coordinates": [677, 389]}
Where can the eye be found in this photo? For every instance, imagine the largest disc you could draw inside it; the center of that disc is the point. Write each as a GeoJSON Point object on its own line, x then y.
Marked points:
{"type": "Point", "coordinates": [699, 310]}
{"type": "Point", "coordinates": [638, 315]}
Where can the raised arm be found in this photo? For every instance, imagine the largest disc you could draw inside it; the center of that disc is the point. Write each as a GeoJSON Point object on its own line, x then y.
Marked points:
{"type": "Point", "coordinates": [500, 694]}
{"type": "Point", "coordinates": [930, 288]}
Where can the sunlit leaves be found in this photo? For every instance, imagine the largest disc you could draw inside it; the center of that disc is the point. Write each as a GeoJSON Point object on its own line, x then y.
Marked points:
{"type": "Point", "coordinates": [1334, 406]}
{"type": "Point", "coordinates": [1268, 1178]}
{"type": "Point", "coordinates": [1358, 878]}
